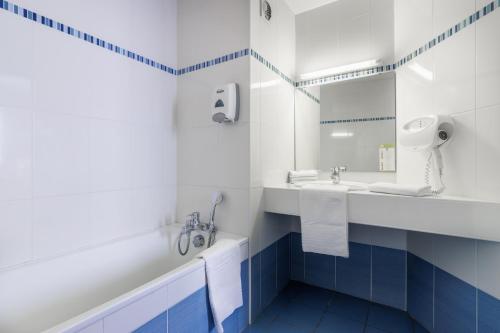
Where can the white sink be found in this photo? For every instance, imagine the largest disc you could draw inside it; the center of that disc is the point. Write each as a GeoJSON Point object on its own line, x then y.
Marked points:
{"type": "Point", "coordinates": [352, 186]}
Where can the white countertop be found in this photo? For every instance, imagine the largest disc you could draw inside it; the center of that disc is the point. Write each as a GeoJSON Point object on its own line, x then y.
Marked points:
{"type": "Point", "coordinates": [446, 215]}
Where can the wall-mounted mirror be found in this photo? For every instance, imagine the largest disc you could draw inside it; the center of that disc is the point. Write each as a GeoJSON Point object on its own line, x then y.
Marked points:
{"type": "Point", "coordinates": [345, 119]}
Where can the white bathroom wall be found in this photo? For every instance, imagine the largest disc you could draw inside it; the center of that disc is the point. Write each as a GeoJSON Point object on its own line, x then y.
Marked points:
{"type": "Point", "coordinates": [458, 77]}
{"type": "Point", "coordinates": [461, 80]}
{"type": "Point", "coordinates": [88, 142]}
{"type": "Point", "coordinates": [272, 116]}
{"type": "Point", "coordinates": [307, 129]}
{"type": "Point", "coordinates": [345, 32]}
{"type": "Point", "coordinates": [213, 156]}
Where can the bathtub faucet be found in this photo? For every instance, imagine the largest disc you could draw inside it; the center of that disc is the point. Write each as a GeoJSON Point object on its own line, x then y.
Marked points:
{"type": "Point", "coordinates": [193, 223]}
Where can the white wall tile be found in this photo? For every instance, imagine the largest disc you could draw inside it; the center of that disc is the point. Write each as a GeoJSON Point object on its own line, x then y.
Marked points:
{"type": "Point", "coordinates": [16, 153]}
{"type": "Point", "coordinates": [153, 207]}
{"type": "Point", "coordinates": [447, 13]}
{"type": "Point", "coordinates": [488, 270]}
{"type": "Point", "coordinates": [110, 155]}
{"type": "Point", "coordinates": [139, 312]}
{"type": "Point", "coordinates": [61, 154]}
{"type": "Point", "coordinates": [63, 72]}
{"type": "Point", "coordinates": [111, 215]}
{"type": "Point", "coordinates": [459, 156]}
{"type": "Point", "coordinates": [488, 66]}
{"type": "Point", "coordinates": [149, 149]}
{"type": "Point", "coordinates": [408, 15]}
{"type": "Point", "coordinates": [454, 68]}
{"type": "Point", "coordinates": [456, 256]}
{"type": "Point", "coordinates": [61, 224]}
{"type": "Point", "coordinates": [385, 237]}
{"type": "Point", "coordinates": [488, 153]}
{"type": "Point", "coordinates": [421, 245]}
{"type": "Point", "coordinates": [345, 32]}
{"type": "Point", "coordinates": [111, 89]}
{"type": "Point", "coordinates": [219, 39]}
{"type": "Point", "coordinates": [232, 214]}
{"type": "Point", "coordinates": [16, 65]}
{"type": "Point", "coordinates": [15, 232]}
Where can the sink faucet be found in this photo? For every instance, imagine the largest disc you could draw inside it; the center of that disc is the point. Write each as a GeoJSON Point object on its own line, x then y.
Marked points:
{"type": "Point", "coordinates": [335, 173]}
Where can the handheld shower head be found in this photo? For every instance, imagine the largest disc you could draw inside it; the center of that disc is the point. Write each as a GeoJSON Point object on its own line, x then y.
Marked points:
{"type": "Point", "coordinates": [217, 198]}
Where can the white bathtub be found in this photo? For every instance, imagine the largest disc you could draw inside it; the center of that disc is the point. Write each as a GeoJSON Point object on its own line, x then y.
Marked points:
{"type": "Point", "coordinates": [98, 290]}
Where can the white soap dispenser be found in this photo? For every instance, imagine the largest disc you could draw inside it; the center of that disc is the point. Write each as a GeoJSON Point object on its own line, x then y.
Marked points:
{"type": "Point", "coordinates": [226, 103]}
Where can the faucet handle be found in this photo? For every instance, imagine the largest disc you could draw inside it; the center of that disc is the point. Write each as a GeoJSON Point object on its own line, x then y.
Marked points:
{"type": "Point", "coordinates": [193, 219]}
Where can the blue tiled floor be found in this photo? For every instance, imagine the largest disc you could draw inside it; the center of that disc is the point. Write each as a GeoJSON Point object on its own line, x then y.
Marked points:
{"type": "Point", "coordinates": [302, 308]}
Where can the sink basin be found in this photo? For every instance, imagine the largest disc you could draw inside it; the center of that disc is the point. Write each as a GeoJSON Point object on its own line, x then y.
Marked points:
{"type": "Point", "coordinates": [352, 186]}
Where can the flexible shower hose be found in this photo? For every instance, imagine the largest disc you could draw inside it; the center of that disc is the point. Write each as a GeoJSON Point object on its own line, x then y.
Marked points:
{"type": "Point", "coordinates": [188, 235]}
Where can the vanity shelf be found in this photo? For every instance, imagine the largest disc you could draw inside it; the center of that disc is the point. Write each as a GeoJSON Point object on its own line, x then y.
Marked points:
{"type": "Point", "coordinates": [445, 215]}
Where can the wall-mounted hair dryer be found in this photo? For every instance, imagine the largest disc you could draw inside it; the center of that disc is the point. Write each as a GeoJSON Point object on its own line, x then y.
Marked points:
{"type": "Point", "coordinates": [429, 134]}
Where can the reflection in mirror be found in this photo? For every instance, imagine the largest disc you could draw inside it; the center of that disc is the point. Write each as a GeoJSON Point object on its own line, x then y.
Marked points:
{"type": "Point", "coordinates": [345, 96]}
{"type": "Point", "coordinates": [358, 124]}
{"type": "Point", "coordinates": [353, 125]}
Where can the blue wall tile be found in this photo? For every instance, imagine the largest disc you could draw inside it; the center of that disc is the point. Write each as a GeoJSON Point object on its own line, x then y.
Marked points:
{"type": "Point", "coordinates": [320, 270]}
{"type": "Point", "coordinates": [243, 312]}
{"type": "Point", "coordinates": [488, 313]}
{"type": "Point", "coordinates": [156, 325]}
{"type": "Point", "coordinates": [297, 269]}
{"type": "Point", "coordinates": [191, 314]}
{"type": "Point", "coordinates": [354, 273]}
{"type": "Point", "coordinates": [389, 277]}
{"type": "Point", "coordinates": [420, 290]}
{"type": "Point", "coordinates": [283, 262]}
{"type": "Point", "coordinates": [455, 304]}
{"type": "Point", "coordinates": [256, 304]}
{"type": "Point", "coordinates": [268, 287]}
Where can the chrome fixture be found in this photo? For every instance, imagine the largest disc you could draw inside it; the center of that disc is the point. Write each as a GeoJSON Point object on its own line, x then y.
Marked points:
{"type": "Point", "coordinates": [198, 241]}
{"type": "Point", "coordinates": [335, 173]}
{"type": "Point", "coordinates": [193, 223]}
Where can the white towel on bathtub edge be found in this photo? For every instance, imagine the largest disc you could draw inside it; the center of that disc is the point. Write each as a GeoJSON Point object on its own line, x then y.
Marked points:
{"type": "Point", "coordinates": [223, 271]}
{"type": "Point", "coordinates": [323, 217]}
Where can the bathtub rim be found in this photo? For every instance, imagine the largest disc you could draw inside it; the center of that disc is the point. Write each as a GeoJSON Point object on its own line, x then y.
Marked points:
{"type": "Point", "coordinates": [99, 312]}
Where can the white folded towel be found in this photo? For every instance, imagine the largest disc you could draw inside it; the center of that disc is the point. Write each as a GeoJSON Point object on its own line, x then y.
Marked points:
{"type": "Point", "coordinates": [401, 189]}
{"type": "Point", "coordinates": [323, 216]}
{"type": "Point", "coordinates": [223, 266]}
{"type": "Point", "coordinates": [302, 175]}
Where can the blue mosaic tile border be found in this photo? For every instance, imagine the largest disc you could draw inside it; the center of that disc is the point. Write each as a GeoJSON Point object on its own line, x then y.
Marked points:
{"type": "Point", "coordinates": [308, 94]}
{"type": "Point", "coordinates": [276, 70]}
{"type": "Point", "coordinates": [471, 19]}
{"type": "Point", "coordinates": [213, 62]}
{"type": "Point", "coordinates": [71, 31]}
{"type": "Point", "coordinates": [270, 66]}
{"type": "Point", "coordinates": [355, 120]}
{"type": "Point", "coordinates": [89, 38]}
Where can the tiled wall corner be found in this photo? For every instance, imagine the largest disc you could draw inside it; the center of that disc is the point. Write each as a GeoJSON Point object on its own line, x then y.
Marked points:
{"type": "Point", "coordinates": [353, 275]}
{"type": "Point", "coordinates": [389, 277]}
{"type": "Point", "coordinates": [455, 304]}
{"type": "Point", "coordinates": [320, 270]}
{"type": "Point", "coordinates": [371, 272]}
{"type": "Point", "coordinates": [270, 274]}
{"type": "Point", "coordinates": [421, 291]}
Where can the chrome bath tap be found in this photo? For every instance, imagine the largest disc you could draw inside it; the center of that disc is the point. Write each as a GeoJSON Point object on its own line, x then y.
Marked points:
{"type": "Point", "coordinates": [335, 173]}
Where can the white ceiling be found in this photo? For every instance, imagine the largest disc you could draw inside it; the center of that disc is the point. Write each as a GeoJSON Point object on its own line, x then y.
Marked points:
{"type": "Point", "coordinates": [300, 6]}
